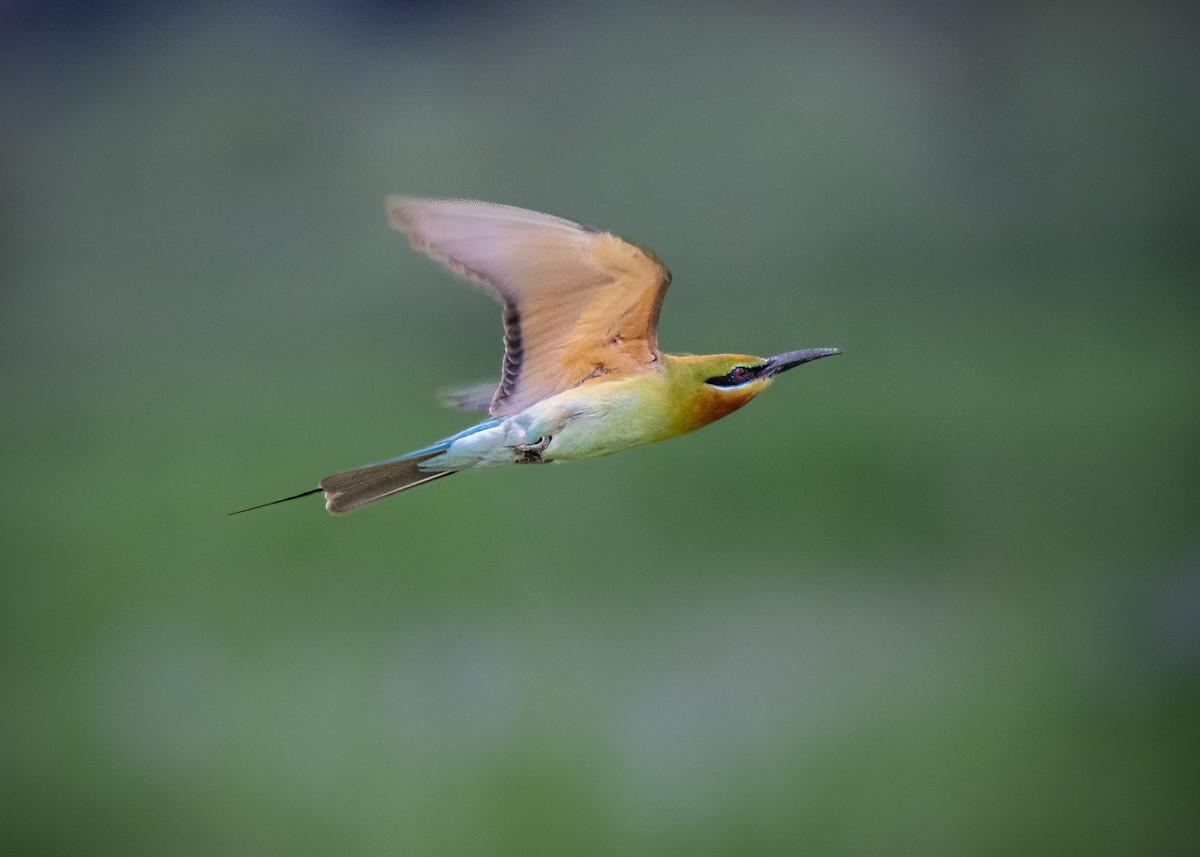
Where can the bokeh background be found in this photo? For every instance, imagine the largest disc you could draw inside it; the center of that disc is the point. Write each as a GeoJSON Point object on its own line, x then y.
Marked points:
{"type": "Point", "coordinates": [940, 596]}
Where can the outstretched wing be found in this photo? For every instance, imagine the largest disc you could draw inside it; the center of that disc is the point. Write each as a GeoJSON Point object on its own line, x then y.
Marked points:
{"type": "Point", "coordinates": [578, 303]}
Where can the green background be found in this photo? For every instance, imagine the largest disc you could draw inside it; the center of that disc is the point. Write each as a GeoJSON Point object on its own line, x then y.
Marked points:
{"type": "Point", "coordinates": [939, 596]}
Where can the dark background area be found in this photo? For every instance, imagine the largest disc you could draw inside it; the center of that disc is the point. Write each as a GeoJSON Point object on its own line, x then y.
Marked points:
{"type": "Point", "coordinates": [938, 596]}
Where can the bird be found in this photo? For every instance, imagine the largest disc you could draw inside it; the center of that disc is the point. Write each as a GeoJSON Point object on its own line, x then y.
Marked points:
{"type": "Point", "coordinates": [583, 376]}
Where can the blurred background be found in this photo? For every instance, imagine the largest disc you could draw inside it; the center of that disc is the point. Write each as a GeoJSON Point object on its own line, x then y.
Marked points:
{"type": "Point", "coordinates": [939, 596]}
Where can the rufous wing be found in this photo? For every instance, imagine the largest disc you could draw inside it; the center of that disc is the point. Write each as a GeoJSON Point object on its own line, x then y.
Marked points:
{"type": "Point", "coordinates": [579, 304]}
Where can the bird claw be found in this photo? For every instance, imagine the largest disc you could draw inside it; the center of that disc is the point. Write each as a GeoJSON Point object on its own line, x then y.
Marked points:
{"type": "Point", "coordinates": [531, 453]}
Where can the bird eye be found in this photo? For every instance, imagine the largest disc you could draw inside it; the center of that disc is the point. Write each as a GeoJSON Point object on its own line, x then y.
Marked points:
{"type": "Point", "coordinates": [735, 377]}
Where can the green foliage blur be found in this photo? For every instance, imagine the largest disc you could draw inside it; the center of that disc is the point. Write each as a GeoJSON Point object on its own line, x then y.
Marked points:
{"type": "Point", "coordinates": [939, 596]}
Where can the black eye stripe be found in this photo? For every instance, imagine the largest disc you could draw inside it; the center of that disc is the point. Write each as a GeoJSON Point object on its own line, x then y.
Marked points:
{"type": "Point", "coordinates": [736, 376]}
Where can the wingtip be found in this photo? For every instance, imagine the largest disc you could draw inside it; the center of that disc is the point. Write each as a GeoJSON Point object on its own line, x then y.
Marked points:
{"type": "Point", "coordinates": [397, 217]}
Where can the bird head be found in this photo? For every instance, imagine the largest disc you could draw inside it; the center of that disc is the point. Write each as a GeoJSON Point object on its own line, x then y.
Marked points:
{"type": "Point", "coordinates": [710, 386]}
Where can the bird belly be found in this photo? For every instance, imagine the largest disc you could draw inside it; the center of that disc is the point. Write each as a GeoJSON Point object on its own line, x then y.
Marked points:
{"type": "Point", "coordinates": [593, 436]}
{"type": "Point", "coordinates": [582, 424]}
{"type": "Point", "coordinates": [538, 434]}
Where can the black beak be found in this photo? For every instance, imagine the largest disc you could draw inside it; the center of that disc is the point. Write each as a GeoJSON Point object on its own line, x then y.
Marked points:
{"type": "Point", "coordinates": [792, 359]}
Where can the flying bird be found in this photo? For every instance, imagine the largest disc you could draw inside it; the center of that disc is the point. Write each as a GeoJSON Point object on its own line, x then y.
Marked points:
{"type": "Point", "coordinates": [583, 376]}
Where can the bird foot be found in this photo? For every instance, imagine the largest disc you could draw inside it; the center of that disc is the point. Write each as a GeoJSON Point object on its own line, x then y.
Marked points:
{"type": "Point", "coordinates": [531, 453]}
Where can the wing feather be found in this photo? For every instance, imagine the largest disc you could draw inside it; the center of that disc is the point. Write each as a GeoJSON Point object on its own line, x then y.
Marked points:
{"type": "Point", "coordinates": [579, 303]}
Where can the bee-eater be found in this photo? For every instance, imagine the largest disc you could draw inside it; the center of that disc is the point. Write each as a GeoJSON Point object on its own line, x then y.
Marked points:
{"type": "Point", "coordinates": [583, 376]}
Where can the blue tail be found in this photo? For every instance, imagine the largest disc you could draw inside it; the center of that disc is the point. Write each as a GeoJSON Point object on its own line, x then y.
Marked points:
{"type": "Point", "coordinates": [345, 492]}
